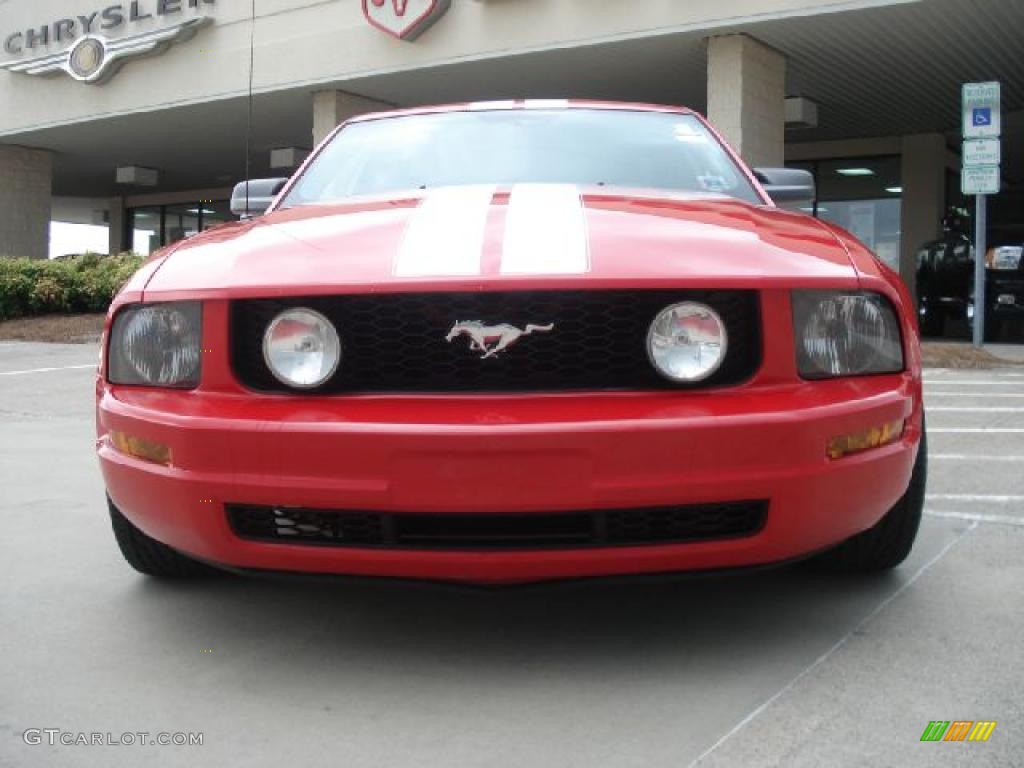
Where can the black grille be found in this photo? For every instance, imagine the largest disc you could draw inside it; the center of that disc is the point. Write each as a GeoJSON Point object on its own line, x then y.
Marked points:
{"type": "Point", "coordinates": [397, 342]}
{"type": "Point", "coordinates": [563, 530]}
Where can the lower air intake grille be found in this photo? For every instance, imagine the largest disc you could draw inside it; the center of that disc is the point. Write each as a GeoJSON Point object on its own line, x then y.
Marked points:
{"type": "Point", "coordinates": [562, 530]}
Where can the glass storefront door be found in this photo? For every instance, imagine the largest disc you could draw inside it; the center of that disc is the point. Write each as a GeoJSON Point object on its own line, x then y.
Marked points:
{"type": "Point", "coordinates": [153, 227]}
{"type": "Point", "coordinates": [864, 196]}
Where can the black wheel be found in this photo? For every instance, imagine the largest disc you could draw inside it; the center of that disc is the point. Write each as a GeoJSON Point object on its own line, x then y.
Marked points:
{"type": "Point", "coordinates": [933, 323]}
{"type": "Point", "coordinates": [993, 325]}
{"type": "Point", "coordinates": [149, 556]}
{"type": "Point", "coordinates": [888, 543]}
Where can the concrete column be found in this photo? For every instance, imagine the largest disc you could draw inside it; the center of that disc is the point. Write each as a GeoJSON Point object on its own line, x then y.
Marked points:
{"type": "Point", "coordinates": [923, 172]}
{"type": "Point", "coordinates": [332, 108]}
{"type": "Point", "coordinates": [25, 202]}
{"type": "Point", "coordinates": [747, 97]}
{"type": "Point", "coordinates": [115, 224]}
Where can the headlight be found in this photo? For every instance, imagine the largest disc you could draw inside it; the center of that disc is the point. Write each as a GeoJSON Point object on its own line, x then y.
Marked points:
{"type": "Point", "coordinates": [301, 348]}
{"type": "Point", "coordinates": [157, 345]}
{"type": "Point", "coordinates": [687, 342]}
{"type": "Point", "coordinates": [1008, 257]}
{"type": "Point", "coordinates": [845, 334]}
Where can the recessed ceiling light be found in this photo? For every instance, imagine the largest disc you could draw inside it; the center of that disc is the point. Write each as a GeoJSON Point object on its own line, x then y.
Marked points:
{"type": "Point", "coordinates": [894, 190]}
{"type": "Point", "coordinates": [855, 172]}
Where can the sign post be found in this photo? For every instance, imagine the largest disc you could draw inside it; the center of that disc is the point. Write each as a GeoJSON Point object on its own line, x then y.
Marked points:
{"type": "Point", "coordinates": [982, 127]}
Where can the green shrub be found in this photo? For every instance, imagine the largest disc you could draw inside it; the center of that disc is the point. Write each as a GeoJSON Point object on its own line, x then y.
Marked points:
{"type": "Point", "coordinates": [84, 283]}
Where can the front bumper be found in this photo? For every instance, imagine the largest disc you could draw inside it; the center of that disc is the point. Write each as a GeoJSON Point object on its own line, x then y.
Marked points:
{"type": "Point", "coordinates": [510, 454]}
{"type": "Point", "coordinates": [1006, 296]}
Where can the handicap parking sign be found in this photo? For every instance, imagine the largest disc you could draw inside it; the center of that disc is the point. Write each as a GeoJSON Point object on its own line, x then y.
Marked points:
{"type": "Point", "coordinates": [981, 103]}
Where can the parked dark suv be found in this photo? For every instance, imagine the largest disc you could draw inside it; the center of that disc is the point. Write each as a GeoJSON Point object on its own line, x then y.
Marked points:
{"type": "Point", "coordinates": [945, 283]}
{"type": "Point", "coordinates": [1004, 286]}
{"type": "Point", "coordinates": [945, 280]}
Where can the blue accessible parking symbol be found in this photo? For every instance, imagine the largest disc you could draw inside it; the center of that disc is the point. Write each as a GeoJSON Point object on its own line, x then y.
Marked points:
{"type": "Point", "coordinates": [982, 116]}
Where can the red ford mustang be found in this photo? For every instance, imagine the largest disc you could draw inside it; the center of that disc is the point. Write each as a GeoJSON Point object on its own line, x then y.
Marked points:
{"type": "Point", "coordinates": [514, 342]}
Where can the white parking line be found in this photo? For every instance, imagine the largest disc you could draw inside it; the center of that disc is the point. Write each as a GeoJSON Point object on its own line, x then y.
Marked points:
{"type": "Point", "coordinates": [837, 646]}
{"type": "Point", "coordinates": [977, 383]}
{"type": "Point", "coordinates": [932, 373]}
{"type": "Point", "coordinates": [973, 409]}
{"type": "Point", "coordinates": [970, 457]}
{"type": "Point", "coordinates": [1000, 519]}
{"type": "Point", "coordinates": [48, 370]}
{"type": "Point", "coordinates": [987, 499]}
{"type": "Point", "coordinates": [973, 394]}
{"type": "Point", "coordinates": [974, 430]}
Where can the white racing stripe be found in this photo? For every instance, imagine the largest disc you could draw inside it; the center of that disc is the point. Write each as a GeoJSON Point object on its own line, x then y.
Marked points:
{"type": "Point", "coordinates": [445, 234]}
{"type": "Point", "coordinates": [546, 104]}
{"type": "Point", "coordinates": [545, 231]}
{"type": "Point", "coordinates": [48, 370]}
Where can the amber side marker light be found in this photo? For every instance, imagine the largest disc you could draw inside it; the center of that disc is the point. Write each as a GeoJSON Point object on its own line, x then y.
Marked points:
{"type": "Point", "coordinates": [858, 442]}
{"type": "Point", "coordinates": [139, 448]}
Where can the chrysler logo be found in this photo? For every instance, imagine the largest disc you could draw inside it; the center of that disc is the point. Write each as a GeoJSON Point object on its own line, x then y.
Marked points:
{"type": "Point", "coordinates": [492, 340]}
{"type": "Point", "coordinates": [96, 58]}
{"type": "Point", "coordinates": [404, 19]}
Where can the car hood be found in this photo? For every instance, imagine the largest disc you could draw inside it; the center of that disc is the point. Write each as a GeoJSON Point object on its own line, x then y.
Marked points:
{"type": "Point", "coordinates": [486, 238]}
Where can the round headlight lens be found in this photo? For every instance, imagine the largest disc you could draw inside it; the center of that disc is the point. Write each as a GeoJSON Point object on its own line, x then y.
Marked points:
{"type": "Point", "coordinates": [301, 348]}
{"type": "Point", "coordinates": [687, 342]}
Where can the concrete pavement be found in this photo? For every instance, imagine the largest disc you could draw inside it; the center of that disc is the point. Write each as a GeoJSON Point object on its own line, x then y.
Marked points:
{"type": "Point", "coordinates": [778, 669]}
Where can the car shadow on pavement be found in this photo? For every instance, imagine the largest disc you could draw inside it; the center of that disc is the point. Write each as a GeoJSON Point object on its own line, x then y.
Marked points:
{"type": "Point", "coordinates": [708, 619]}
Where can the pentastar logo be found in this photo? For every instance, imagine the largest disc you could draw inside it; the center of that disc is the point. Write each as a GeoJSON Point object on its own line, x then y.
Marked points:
{"type": "Point", "coordinates": [404, 19]}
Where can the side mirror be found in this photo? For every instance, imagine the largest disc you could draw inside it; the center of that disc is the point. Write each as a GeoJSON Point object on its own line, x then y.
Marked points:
{"type": "Point", "coordinates": [252, 198]}
{"type": "Point", "coordinates": [787, 185]}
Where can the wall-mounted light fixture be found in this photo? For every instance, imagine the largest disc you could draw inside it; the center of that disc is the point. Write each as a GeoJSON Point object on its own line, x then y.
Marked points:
{"type": "Point", "coordinates": [287, 157]}
{"type": "Point", "coordinates": [135, 176]}
{"type": "Point", "coordinates": [801, 113]}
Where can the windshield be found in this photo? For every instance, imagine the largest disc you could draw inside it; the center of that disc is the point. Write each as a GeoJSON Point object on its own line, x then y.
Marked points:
{"type": "Point", "coordinates": [633, 149]}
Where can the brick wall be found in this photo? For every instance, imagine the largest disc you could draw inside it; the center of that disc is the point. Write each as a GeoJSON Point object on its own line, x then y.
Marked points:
{"type": "Point", "coordinates": [26, 177]}
{"type": "Point", "coordinates": [746, 97]}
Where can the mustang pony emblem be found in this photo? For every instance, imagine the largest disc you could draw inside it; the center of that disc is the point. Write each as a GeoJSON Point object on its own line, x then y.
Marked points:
{"type": "Point", "coordinates": [493, 339]}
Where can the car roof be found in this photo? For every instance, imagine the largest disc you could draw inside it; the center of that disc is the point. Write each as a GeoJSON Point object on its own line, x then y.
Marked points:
{"type": "Point", "coordinates": [524, 104]}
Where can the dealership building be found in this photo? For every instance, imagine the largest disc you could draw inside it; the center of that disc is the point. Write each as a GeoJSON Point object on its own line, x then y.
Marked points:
{"type": "Point", "coordinates": [136, 116]}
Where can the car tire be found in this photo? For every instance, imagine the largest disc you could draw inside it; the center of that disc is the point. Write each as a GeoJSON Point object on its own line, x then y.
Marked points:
{"type": "Point", "coordinates": [888, 543]}
{"type": "Point", "coordinates": [993, 326]}
{"type": "Point", "coordinates": [933, 324]}
{"type": "Point", "coordinates": [150, 557]}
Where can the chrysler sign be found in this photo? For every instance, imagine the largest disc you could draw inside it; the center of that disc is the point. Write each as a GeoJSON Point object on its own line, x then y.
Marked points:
{"type": "Point", "coordinates": [404, 19]}
{"type": "Point", "coordinates": [93, 57]}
